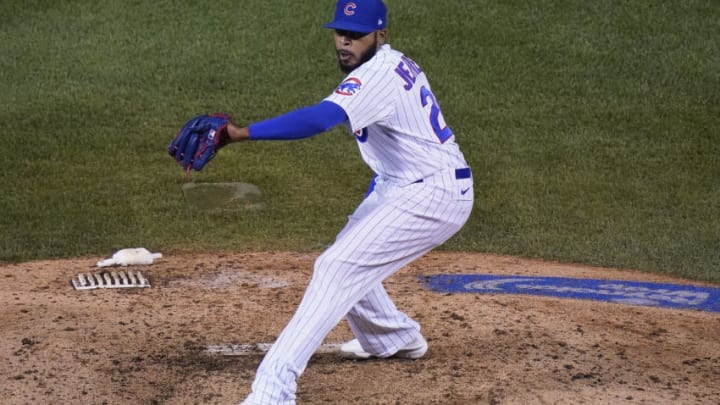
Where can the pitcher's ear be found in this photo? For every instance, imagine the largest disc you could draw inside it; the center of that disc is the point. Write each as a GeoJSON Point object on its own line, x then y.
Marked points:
{"type": "Point", "coordinates": [382, 36]}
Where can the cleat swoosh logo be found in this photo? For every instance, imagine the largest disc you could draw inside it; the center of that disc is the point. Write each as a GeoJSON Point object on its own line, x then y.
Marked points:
{"type": "Point", "coordinates": [463, 192]}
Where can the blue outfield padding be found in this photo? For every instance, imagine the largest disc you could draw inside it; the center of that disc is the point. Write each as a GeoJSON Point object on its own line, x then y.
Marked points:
{"type": "Point", "coordinates": [625, 292]}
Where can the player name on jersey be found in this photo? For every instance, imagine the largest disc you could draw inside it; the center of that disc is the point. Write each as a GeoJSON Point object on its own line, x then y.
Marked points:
{"type": "Point", "coordinates": [408, 70]}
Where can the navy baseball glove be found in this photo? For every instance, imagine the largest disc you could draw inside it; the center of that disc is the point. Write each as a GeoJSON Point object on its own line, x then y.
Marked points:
{"type": "Point", "coordinates": [199, 140]}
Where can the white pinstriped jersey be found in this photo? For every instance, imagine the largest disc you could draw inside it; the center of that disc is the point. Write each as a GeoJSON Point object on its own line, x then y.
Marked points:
{"type": "Point", "coordinates": [396, 119]}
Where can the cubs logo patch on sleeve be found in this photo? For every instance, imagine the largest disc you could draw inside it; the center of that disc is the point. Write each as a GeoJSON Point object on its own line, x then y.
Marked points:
{"type": "Point", "coordinates": [349, 87]}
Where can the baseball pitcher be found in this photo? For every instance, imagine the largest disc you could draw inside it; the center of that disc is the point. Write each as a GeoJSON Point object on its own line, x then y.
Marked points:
{"type": "Point", "coordinates": [420, 196]}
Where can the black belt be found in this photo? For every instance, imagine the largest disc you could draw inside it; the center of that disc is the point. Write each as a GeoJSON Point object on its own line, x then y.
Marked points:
{"type": "Point", "coordinates": [460, 174]}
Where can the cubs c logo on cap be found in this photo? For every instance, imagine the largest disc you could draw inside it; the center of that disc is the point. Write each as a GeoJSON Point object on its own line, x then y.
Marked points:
{"type": "Point", "coordinates": [350, 8]}
{"type": "Point", "coordinates": [349, 87]}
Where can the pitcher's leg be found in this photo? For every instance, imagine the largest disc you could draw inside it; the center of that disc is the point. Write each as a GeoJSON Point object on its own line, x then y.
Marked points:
{"type": "Point", "coordinates": [373, 248]}
{"type": "Point", "coordinates": [379, 326]}
{"type": "Point", "coordinates": [355, 264]}
{"type": "Point", "coordinates": [276, 378]}
{"type": "Point", "coordinates": [333, 290]}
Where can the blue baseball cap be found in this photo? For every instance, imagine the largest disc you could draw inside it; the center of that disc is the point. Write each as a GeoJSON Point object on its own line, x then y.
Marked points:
{"type": "Point", "coordinates": [359, 16]}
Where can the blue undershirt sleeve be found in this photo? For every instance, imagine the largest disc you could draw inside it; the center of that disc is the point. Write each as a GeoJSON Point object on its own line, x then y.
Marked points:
{"type": "Point", "coordinates": [299, 124]}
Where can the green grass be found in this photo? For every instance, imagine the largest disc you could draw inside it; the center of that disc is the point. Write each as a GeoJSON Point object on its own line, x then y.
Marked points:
{"type": "Point", "coordinates": [593, 128]}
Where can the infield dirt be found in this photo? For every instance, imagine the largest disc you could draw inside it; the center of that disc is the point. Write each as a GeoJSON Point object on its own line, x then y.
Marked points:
{"type": "Point", "coordinates": [148, 346]}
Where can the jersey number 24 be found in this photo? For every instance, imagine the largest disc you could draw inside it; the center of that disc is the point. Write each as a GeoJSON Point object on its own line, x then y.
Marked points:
{"type": "Point", "coordinates": [437, 121]}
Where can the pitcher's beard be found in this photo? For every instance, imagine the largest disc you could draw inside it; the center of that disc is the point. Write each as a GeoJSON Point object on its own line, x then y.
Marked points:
{"type": "Point", "coordinates": [366, 56]}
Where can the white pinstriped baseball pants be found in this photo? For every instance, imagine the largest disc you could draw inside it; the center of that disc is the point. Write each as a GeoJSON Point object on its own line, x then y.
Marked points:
{"type": "Point", "coordinates": [392, 227]}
